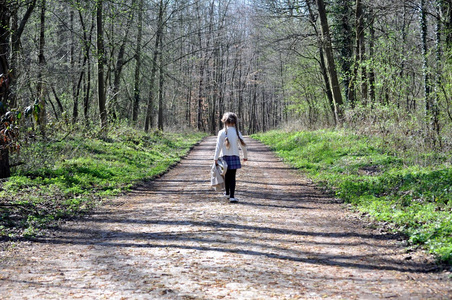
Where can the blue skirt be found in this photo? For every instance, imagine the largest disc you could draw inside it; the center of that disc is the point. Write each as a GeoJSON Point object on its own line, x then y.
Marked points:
{"type": "Point", "coordinates": [233, 162]}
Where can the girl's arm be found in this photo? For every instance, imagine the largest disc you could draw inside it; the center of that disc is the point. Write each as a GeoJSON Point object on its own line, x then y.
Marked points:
{"type": "Point", "coordinates": [220, 141]}
{"type": "Point", "coordinates": [245, 153]}
{"type": "Point", "coordinates": [244, 149]}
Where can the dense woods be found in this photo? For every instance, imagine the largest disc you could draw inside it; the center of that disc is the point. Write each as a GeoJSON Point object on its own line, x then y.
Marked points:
{"type": "Point", "coordinates": [383, 67]}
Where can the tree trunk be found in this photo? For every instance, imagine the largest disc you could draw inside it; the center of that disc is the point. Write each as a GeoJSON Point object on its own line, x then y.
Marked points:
{"type": "Point", "coordinates": [16, 35]}
{"type": "Point", "coordinates": [148, 120]}
{"type": "Point", "coordinates": [41, 86]}
{"type": "Point", "coordinates": [359, 37]}
{"type": "Point", "coordinates": [4, 53]}
{"type": "Point", "coordinates": [435, 109]}
{"type": "Point", "coordinates": [253, 116]}
{"type": "Point", "coordinates": [220, 86]}
{"type": "Point", "coordinates": [5, 171]}
{"type": "Point", "coordinates": [87, 51]}
{"type": "Point", "coordinates": [427, 83]}
{"type": "Point", "coordinates": [344, 42]}
{"type": "Point", "coordinates": [322, 62]}
{"type": "Point", "coordinates": [60, 106]}
{"type": "Point", "coordinates": [331, 68]}
{"type": "Point", "coordinates": [76, 84]}
{"type": "Point", "coordinates": [446, 12]}
{"type": "Point", "coordinates": [372, 94]}
{"type": "Point", "coordinates": [100, 66]}
{"type": "Point", "coordinates": [361, 48]}
{"type": "Point", "coordinates": [136, 90]}
{"type": "Point", "coordinates": [264, 111]}
{"type": "Point", "coordinates": [161, 79]}
{"type": "Point", "coordinates": [120, 61]}
{"type": "Point", "coordinates": [202, 69]}
{"type": "Point", "coordinates": [200, 95]}
{"type": "Point", "coordinates": [281, 107]}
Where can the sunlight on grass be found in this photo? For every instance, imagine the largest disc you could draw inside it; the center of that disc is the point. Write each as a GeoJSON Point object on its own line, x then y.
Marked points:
{"type": "Point", "coordinates": [65, 178]}
{"type": "Point", "coordinates": [415, 200]}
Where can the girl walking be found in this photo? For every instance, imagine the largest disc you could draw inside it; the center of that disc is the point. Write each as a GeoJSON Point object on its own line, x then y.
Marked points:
{"type": "Point", "coordinates": [229, 142]}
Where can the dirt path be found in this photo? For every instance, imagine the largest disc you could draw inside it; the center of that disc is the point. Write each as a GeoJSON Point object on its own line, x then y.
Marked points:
{"type": "Point", "coordinates": [177, 239]}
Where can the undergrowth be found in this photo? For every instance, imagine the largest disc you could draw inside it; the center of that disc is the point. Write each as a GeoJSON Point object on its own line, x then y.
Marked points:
{"type": "Point", "coordinates": [411, 191]}
{"type": "Point", "coordinates": [65, 176]}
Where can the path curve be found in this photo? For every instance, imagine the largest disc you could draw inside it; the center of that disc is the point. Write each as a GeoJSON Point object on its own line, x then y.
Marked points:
{"type": "Point", "coordinates": [175, 238]}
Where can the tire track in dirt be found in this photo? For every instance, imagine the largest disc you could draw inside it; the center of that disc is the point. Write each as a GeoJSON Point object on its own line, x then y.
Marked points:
{"type": "Point", "coordinates": [175, 238]}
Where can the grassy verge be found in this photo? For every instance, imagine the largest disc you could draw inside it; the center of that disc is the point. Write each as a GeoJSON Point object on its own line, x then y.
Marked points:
{"type": "Point", "coordinates": [70, 176]}
{"type": "Point", "coordinates": [412, 192]}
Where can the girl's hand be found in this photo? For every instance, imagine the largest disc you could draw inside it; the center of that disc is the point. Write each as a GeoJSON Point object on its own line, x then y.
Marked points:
{"type": "Point", "coordinates": [216, 161]}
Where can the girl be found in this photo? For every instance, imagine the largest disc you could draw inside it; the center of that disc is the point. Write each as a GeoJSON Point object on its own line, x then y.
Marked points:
{"type": "Point", "coordinates": [229, 141]}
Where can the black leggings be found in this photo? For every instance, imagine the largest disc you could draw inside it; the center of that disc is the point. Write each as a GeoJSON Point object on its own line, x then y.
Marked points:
{"type": "Point", "coordinates": [229, 182]}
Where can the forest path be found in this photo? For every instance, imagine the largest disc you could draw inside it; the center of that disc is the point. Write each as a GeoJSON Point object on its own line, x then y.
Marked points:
{"type": "Point", "coordinates": [175, 238]}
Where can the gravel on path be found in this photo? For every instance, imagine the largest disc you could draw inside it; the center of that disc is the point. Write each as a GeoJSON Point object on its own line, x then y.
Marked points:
{"type": "Point", "coordinates": [176, 238]}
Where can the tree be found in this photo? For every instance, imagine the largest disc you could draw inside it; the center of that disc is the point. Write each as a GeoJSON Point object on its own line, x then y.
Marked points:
{"type": "Point", "coordinates": [372, 94]}
{"type": "Point", "coordinates": [360, 52]}
{"type": "Point", "coordinates": [41, 86]}
{"type": "Point", "coordinates": [202, 66]}
{"type": "Point", "coordinates": [322, 61]}
{"type": "Point", "coordinates": [161, 80]}
{"type": "Point", "coordinates": [331, 68]}
{"type": "Point", "coordinates": [84, 78]}
{"type": "Point", "coordinates": [4, 86]}
{"type": "Point", "coordinates": [17, 29]}
{"type": "Point", "coordinates": [445, 7]}
{"type": "Point", "coordinates": [138, 55]}
{"type": "Point", "coordinates": [342, 32]}
{"type": "Point", "coordinates": [152, 88]}
{"type": "Point", "coordinates": [425, 67]}
{"type": "Point", "coordinates": [100, 65]}
{"type": "Point", "coordinates": [121, 60]}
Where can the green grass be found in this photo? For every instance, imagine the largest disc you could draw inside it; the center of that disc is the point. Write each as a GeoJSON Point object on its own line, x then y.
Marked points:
{"type": "Point", "coordinates": [414, 199]}
{"type": "Point", "coordinates": [64, 178]}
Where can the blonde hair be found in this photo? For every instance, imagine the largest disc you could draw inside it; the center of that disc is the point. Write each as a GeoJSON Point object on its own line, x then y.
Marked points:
{"type": "Point", "coordinates": [230, 118]}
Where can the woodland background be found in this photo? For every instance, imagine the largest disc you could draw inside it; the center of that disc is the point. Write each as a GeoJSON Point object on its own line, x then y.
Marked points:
{"type": "Point", "coordinates": [380, 66]}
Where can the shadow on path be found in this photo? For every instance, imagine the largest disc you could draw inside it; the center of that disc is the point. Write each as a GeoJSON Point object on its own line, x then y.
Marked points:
{"type": "Point", "coordinates": [283, 235]}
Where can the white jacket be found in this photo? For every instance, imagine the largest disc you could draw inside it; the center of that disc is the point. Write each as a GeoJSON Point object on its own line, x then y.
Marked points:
{"type": "Point", "coordinates": [234, 142]}
{"type": "Point", "coordinates": [217, 175]}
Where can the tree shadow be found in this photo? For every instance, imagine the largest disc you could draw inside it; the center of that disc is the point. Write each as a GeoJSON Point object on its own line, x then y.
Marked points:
{"type": "Point", "coordinates": [149, 228]}
{"type": "Point", "coordinates": [237, 239]}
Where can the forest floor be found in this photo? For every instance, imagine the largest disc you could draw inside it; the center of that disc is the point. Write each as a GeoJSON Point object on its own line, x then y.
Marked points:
{"type": "Point", "coordinates": [176, 238]}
